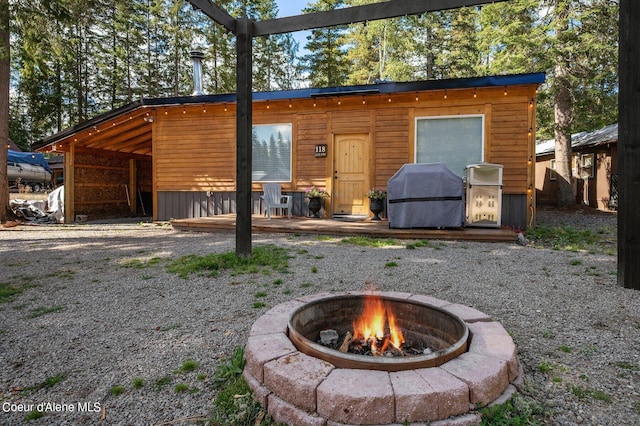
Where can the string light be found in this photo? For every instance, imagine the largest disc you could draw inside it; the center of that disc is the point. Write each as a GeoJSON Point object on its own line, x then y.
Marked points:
{"type": "Point", "coordinates": [505, 90]}
{"type": "Point", "coordinates": [474, 93]}
{"type": "Point", "coordinates": [225, 107]}
{"type": "Point", "coordinates": [445, 93]}
{"type": "Point", "coordinates": [290, 103]}
{"type": "Point", "coordinates": [267, 104]}
{"type": "Point", "coordinates": [417, 98]}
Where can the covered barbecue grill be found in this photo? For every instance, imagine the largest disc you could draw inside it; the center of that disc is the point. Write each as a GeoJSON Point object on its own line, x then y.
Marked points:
{"type": "Point", "coordinates": [427, 195]}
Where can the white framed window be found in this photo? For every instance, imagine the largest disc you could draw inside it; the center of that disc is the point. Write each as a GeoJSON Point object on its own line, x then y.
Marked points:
{"type": "Point", "coordinates": [457, 141]}
{"type": "Point", "coordinates": [271, 152]}
{"type": "Point", "coordinates": [587, 163]}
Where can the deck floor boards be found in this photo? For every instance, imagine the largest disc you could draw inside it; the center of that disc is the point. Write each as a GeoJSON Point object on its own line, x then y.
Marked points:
{"type": "Point", "coordinates": [363, 227]}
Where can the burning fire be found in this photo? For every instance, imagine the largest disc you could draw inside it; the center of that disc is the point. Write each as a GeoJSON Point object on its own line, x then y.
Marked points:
{"type": "Point", "coordinates": [377, 326]}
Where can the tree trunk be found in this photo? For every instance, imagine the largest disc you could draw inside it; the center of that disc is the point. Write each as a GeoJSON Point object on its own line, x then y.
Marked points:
{"type": "Point", "coordinates": [4, 108]}
{"type": "Point", "coordinates": [562, 133]}
{"type": "Point", "coordinates": [563, 111]}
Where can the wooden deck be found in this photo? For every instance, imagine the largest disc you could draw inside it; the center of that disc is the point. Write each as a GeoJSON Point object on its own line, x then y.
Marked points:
{"type": "Point", "coordinates": [340, 227]}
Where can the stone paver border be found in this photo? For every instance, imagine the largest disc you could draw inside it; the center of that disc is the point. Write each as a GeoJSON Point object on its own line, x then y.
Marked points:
{"type": "Point", "coordinates": [297, 389]}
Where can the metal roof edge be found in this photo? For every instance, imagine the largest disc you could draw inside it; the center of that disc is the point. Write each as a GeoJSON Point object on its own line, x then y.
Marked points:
{"type": "Point", "coordinates": [604, 135]}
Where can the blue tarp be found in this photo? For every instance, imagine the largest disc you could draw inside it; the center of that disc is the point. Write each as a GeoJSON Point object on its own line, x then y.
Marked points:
{"type": "Point", "coordinates": [35, 158]}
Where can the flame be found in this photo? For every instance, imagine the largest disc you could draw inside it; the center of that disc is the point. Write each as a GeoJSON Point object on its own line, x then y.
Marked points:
{"type": "Point", "coordinates": [373, 323]}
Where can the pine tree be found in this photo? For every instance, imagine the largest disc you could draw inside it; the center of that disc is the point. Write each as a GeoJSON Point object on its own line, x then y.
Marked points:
{"type": "Point", "coordinates": [429, 36]}
{"type": "Point", "coordinates": [462, 57]}
{"type": "Point", "coordinates": [510, 38]}
{"type": "Point", "coordinates": [326, 64]}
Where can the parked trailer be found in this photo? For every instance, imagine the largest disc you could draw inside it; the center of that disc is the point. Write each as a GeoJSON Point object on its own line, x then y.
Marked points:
{"type": "Point", "coordinates": [28, 168]}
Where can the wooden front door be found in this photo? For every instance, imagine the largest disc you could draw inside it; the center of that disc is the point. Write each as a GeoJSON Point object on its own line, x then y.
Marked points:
{"type": "Point", "coordinates": [350, 174]}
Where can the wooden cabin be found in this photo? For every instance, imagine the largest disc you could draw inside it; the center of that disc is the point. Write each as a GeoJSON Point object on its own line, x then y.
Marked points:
{"type": "Point", "coordinates": [175, 157]}
{"type": "Point", "coordinates": [594, 165]}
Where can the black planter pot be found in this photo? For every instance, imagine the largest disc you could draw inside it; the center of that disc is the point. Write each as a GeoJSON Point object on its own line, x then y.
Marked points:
{"type": "Point", "coordinates": [376, 205]}
{"type": "Point", "coordinates": [315, 204]}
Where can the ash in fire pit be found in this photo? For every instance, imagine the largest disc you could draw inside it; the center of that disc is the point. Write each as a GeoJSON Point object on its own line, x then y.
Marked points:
{"type": "Point", "coordinates": [384, 333]}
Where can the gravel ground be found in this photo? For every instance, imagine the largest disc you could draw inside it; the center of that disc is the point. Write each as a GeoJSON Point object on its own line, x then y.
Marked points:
{"type": "Point", "coordinates": [89, 317]}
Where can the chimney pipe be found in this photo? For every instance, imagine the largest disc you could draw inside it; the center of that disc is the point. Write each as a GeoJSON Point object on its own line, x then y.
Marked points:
{"type": "Point", "coordinates": [197, 57]}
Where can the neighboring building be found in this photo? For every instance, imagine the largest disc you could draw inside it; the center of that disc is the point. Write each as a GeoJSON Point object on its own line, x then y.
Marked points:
{"type": "Point", "coordinates": [12, 146]}
{"type": "Point", "coordinates": [178, 153]}
{"type": "Point", "coordinates": [594, 164]}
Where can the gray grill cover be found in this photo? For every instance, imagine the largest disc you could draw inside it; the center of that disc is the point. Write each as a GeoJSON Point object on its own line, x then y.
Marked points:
{"type": "Point", "coordinates": [425, 196]}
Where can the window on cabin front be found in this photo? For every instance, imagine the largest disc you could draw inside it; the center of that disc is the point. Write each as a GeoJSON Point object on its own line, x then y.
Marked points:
{"type": "Point", "coordinates": [456, 141]}
{"type": "Point", "coordinates": [271, 145]}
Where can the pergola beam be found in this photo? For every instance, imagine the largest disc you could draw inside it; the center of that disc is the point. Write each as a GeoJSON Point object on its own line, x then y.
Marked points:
{"type": "Point", "coordinates": [351, 15]}
{"type": "Point", "coordinates": [216, 13]}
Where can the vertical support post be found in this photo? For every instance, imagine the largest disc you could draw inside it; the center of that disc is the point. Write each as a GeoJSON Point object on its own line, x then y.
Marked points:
{"type": "Point", "coordinates": [629, 146]}
{"type": "Point", "coordinates": [133, 187]}
{"type": "Point", "coordinates": [69, 185]}
{"type": "Point", "coordinates": [244, 115]}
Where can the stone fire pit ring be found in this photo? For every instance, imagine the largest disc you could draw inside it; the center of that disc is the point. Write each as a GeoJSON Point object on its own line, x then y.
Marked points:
{"type": "Point", "coordinates": [299, 389]}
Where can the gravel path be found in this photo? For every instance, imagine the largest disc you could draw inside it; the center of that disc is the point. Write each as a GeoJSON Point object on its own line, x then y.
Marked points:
{"type": "Point", "coordinates": [98, 309]}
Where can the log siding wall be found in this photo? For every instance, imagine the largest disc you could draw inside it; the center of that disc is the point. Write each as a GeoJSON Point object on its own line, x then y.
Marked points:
{"type": "Point", "coordinates": [194, 147]}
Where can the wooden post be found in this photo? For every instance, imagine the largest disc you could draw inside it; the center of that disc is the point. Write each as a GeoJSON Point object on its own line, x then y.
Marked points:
{"type": "Point", "coordinates": [244, 114]}
{"type": "Point", "coordinates": [629, 146]}
{"type": "Point", "coordinates": [69, 185]}
{"type": "Point", "coordinates": [133, 185]}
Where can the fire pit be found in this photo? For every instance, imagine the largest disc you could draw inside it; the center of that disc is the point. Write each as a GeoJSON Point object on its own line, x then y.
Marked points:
{"type": "Point", "coordinates": [472, 363]}
{"type": "Point", "coordinates": [436, 335]}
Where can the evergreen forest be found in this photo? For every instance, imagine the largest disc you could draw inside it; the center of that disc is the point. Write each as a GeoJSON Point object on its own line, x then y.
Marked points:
{"type": "Point", "coordinates": [74, 59]}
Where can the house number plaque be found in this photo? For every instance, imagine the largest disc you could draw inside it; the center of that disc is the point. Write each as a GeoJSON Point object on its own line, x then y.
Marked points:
{"type": "Point", "coordinates": [321, 150]}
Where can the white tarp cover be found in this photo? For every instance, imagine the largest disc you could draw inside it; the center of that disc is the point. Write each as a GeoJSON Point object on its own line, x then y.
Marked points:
{"type": "Point", "coordinates": [56, 203]}
{"type": "Point", "coordinates": [426, 195]}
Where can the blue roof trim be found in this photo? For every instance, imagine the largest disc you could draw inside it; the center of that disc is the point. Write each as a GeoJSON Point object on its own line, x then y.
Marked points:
{"type": "Point", "coordinates": [383, 87]}
{"type": "Point", "coordinates": [414, 86]}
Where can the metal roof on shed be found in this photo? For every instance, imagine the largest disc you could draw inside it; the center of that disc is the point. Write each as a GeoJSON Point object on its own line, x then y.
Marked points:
{"type": "Point", "coordinates": [602, 136]}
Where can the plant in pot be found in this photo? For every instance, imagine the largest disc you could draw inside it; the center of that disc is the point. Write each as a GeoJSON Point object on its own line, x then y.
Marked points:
{"type": "Point", "coordinates": [315, 197]}
{"type": "Point", "coordinates": [376, 202]}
